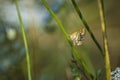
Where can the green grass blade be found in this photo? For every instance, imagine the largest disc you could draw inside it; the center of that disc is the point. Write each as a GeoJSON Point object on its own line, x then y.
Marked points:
{"type": "Point", "coordinates": [87, 27]}
{"type": "Point", "coordinates": [25, 40]}
{"type": "Point", "coordinates": [103, 26]}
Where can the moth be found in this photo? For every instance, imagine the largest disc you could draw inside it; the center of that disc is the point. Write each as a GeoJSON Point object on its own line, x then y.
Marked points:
{"type": "Point", "coordinates": [78, 37]}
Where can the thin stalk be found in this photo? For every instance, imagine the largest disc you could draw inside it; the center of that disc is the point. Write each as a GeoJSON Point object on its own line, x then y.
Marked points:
{"type": "Point", "coordinates": [75, 52]}
{"type": "Point", "coordinates": [87, 27]}
{"type": "Point", "coordinates": [25, 40]}
{"type": "Point", "coordinates": [103, 26]}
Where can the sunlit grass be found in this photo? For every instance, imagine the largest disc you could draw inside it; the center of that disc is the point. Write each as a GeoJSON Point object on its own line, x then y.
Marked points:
{"type": "Point", "coordinates": [106, 51]}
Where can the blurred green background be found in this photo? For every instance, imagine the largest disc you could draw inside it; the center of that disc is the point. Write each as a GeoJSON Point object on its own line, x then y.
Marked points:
{"type": "Point", "coordinates": [50, 52]}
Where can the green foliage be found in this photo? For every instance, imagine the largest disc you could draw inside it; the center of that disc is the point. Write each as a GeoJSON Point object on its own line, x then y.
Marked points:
{"type": "Point", "coordinates": [89, 70]}
{"type": "Point", "coordinates": [82, 60]}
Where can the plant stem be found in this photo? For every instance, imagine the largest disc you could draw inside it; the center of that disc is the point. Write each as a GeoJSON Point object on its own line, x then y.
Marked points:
{"type": "Point", "coordinates": [103, 26]}
{"type": "Point", "coordinates": [75, 52]}
{"type": "Point", "coordinates": [87, 27]}
{"type": "Point", "coordinates": [25, 40]}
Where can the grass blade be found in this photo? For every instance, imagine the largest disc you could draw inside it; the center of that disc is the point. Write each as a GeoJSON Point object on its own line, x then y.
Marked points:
{"type": "Point", "coordinates": [25, 40]}
{"type": "Point", "coordinates": [103, 26]}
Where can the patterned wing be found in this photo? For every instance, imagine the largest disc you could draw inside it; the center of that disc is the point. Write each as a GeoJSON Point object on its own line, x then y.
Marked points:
{"type": "Point", "coordinates": [78, 37]}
